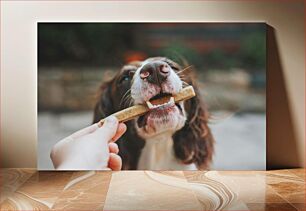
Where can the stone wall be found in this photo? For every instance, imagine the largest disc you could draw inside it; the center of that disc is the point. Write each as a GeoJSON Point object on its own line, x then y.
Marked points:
{"type": "Point", "coordinates": [69, 90]}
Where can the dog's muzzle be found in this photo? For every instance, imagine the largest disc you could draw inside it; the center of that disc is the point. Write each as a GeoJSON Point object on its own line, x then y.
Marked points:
{"type": "Point", "coordinates": [155, 72]}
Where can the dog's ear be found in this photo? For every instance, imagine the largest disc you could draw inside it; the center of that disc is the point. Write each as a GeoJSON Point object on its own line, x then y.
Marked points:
{"type": "Point", "coordinates": [194, 142]}
{"type": "Point", "coordinates": [104, 105]}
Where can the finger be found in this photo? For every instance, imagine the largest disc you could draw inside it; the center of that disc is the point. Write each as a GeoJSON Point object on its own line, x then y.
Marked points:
{"type": "Point", "coordinates": [108, 129]}
{"type": "Point", "coordinates": [120, 131]}
{"type": "Point", "coordinates": [114, 162]}
{"type": "Point", "coordinates": [113, 148]}
{"type": "Point", "coordinates": [84, 131]}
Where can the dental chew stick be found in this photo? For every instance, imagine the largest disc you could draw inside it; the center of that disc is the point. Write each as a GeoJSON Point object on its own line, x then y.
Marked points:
{"type": "Point", "coordinates": [138, 110]}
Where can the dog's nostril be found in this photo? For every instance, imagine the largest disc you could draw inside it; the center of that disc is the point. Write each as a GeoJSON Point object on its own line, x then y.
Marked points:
{"type": "Point", "coordinates": [144, 74]}
{"type": "Point", "coordinates": [164, 69]}
{"type": "Point", "coordinates": [146, 71]}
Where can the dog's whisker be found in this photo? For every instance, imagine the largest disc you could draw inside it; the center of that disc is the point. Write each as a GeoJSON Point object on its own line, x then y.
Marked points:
{"type": "Point", "coordinates": [185, 69]}
{"type": "Point", "coordinates": [125, 97]}
{"type": "Point", "coordinates": [122, 103]}
{"type": "Point", "coordinates": [182, 76]}
{"type": "Point", "coordinates": [131, 102]}
{"type": "Point", "coordinates": [185, 83]}
{"type": "Point", "coordinates": [126, 102]}
{"type": "Point", "coordinates": [127, 93]}
{"type": "Point", "coordinates": [183, 80]}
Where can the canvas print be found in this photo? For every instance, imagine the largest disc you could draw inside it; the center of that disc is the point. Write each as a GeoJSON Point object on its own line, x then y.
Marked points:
{"type": "Point", "coordinates": [188, 96]}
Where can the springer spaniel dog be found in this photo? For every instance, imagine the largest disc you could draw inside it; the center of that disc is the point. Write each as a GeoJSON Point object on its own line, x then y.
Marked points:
{"type": "Point", "coordinates": [172, 136]}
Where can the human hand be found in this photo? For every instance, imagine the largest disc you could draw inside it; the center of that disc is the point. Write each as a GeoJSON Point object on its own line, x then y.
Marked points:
{"type": "Point", "coordinates": [91, 148]}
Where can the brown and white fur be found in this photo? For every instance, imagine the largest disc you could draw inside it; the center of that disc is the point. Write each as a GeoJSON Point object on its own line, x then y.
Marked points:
{"type": "Point", "coordinates": [170, 137]}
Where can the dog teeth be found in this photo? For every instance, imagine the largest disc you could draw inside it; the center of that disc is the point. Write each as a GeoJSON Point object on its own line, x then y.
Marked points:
{"type": "Point", "coordinates": [150, 106]}
{"type": "Point", "coordinates": [171, 100]}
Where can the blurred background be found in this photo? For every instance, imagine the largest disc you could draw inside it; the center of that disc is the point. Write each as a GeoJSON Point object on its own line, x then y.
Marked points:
{"type": "Point", "coordinates": [230, 60]}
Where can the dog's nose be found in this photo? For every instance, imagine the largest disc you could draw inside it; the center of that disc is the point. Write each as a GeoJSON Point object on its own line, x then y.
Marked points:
{"type": "Point", "coordinates": [155, 72]}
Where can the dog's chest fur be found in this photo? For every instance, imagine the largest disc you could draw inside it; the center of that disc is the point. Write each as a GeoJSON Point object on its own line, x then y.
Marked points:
{"type": "Point", "coordinates": [158, 154]}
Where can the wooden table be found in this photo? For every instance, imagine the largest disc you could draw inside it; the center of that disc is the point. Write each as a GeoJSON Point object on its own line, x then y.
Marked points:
{"type": "Point", "coordinates": [27, 189]}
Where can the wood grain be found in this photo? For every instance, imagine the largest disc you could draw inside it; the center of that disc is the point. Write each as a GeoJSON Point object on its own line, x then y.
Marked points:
{"type": "Point", "coordinates": [26, 189]}
{"type": "Point", "coordinates": [148, 190]}
{"type": "Point", "coordinates": [11, 179]}
{"type": "Point", "coordinates": [85, 191]}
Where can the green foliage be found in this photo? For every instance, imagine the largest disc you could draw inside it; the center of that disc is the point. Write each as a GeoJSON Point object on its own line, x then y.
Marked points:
{"type": "Point", "coordinates": [97, 44]}
{"type": "Point", "coordinates": [253, 50]}
{"type": "Point", "coordinates": [218, 58]}
{"type": "Point", "coordinates": [178, 52]}
{"type": "Point", "coordinates": [85, 43]}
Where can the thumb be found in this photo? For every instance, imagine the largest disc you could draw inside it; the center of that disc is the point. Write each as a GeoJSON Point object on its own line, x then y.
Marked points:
{"type": "Point", "coordinates": [108, 129]}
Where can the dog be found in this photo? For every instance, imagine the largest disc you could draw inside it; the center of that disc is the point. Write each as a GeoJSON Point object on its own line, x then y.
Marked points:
{"type": "Point", "coordinates": [172, 136]}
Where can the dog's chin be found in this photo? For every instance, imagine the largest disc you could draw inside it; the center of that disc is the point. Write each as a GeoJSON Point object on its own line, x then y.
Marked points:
{"type": "Point", "coordinates": [159, 121]}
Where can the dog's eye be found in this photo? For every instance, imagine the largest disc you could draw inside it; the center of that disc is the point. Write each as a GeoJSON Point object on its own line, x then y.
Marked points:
{"type": "Point", "coordinates": [124, 78]}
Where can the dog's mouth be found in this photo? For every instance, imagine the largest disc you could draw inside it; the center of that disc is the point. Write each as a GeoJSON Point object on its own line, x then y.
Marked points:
{"type": "Point", "coordinates": [160, 105]}
{"type": "Point", "coordinates": [160, 101]}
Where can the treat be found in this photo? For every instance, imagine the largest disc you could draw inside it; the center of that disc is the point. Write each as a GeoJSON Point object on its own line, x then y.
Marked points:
{"type": "Point", "coordinates": [138, 110]}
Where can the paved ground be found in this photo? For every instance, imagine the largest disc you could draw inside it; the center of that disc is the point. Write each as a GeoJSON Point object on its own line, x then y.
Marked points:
{"type": "Point", "coordinates": [240, 139]}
